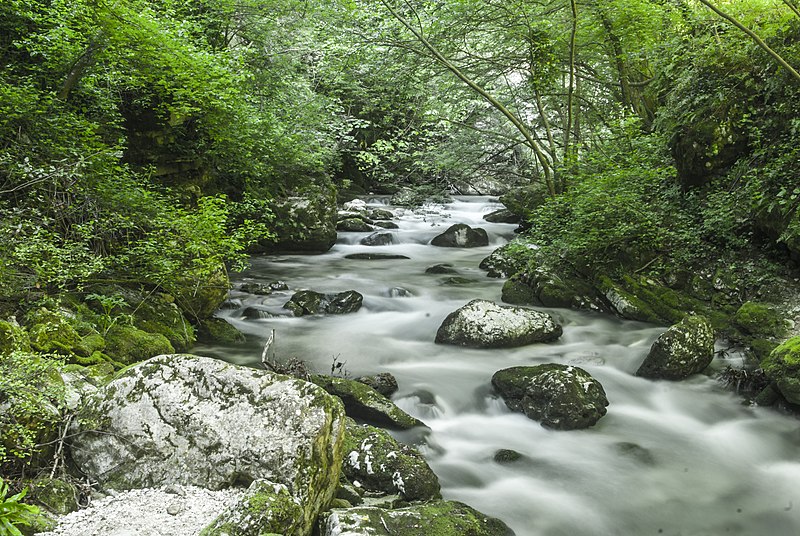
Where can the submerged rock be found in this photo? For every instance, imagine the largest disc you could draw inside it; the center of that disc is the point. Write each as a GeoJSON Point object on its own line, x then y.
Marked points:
{"type": "Point", "coordinates": [684, 349]}
{"type": "Point", "coordinates": [428, 519]}
{"type": "Point", "coordinates": [559, 396]}
{"type": "Point", "coordinates": [308, 302]}
{"type": "Point", "coordinates": [182, 419]}
{"type": "Point", "coordinates": [375, 256]}
{"type": "Point", "coordinates": [442, 268]}
{"type": "Point", "coordinates": [461, 235]}
{"type": "Point", "coordinates": [782, 366]}
{"type": "Point", "coordinates": [378, 462]}
{"type": "Point", "coordinates": [485, 324]}
{"type": "Point", "coordinates": [386, 225]}
{"type": "Point", "coordinates": [363, 402]}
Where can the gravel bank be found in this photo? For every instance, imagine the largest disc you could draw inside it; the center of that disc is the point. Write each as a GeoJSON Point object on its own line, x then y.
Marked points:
{"type": "Point", "coordinates": [168, 511]}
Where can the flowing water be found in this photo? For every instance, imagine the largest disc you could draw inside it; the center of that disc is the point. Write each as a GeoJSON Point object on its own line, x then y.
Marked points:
{"type": "Point", "coordinates": [674, 458]}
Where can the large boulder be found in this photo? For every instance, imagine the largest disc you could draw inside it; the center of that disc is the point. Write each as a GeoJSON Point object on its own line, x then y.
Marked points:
{"type": "Point", "coordinates": [308, 302]}
{"type": "Point", "coordinates": [485, 324]}
{"type": "Point", "coordinates": [183, 419]}
{"type": "Point", "coordinates": [365, 403]}
{"type": "Point", "coordinates": [502, 216]}
{"type": "Point", "coordinates": [353, 225]}
{"type": "Point", "coordinates": [541, 285]}
{"type": "Point", "coordinates": [379, 463]}
{"type": "Point", "coordinates": [562, 397]}
{"type": "Point", "coordinates": [684, 349]}
{"type": "Point", "coordinates": [304, 223]}
{"type": "Point", "coordinates": [782, 366]}
{"type": "Point", "coordinates": [461, 235]}
{"type": "Point", "coordinates": [428, 519]}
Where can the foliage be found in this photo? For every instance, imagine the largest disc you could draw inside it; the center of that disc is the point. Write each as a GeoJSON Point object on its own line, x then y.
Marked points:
{"type": "Point", "coordinates": [14, 513]}
{"type": "Point", "coordinates": [31, 400]}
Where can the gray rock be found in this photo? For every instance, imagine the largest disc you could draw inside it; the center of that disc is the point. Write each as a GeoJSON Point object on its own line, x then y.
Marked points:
{"type": "Point", "coordinates": [380, 238]}
{"type": "Point", "coordinates": [383, 382]}
{"type": "Point", "coordinates": [684, 349]}
{"type": "Point", "coordinates": [449, 518]}
{"type": "Point", "coordinates": [386, 225]}
{"type": "Point", "coordinates": [485, 324]}
{"type": "Point", "coordinates": [375, 460]}
{"type": "Point", "coordinates": [260, 289]}
{"type": "Point", "coordinates": [461, 235]}
{"type": "Point", "coordinates": [502, 216]}
{"type": "Point", "coordinates": [182, 419]}
{"type": "Point", "coordinates": [365, 403]}
{"type": "Point", "coordinates": [509, 258]}
{"type": "Point", "coordinates": [559, 396]}
{"type": "Point", "coordinates": [380, 214]}
{"type": "Point", "coordinates": [354, 225]}
{"type": "Point", "coordinates": [308, 302]}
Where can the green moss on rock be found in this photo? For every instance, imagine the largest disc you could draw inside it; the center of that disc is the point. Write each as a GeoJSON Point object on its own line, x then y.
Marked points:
{"type": "Point", "coordinates": [759, 320]}
{"type": "Point", "coordinates": [266, 508]}
{"type": "Point", "coordinates": [783, 367]}
{"type": "Point", "coordinates": [379, 463]}
{"type": "Point", "coordinates": [438, 518]}
{"type": "Point", "coordinates": [13, 338]}
{"type": "Point", "coordinates": [128, 344]}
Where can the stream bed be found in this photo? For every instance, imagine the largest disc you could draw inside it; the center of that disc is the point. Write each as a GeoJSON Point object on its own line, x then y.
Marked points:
{"type": "Point", "coordinates": [674, 458]}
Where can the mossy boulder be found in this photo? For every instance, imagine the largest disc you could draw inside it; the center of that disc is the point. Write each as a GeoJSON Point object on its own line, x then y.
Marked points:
{"type": "Point", "coordinates": [461, 235]}
{"type": "Point", "coordinates": [509, 258]}
{"type": "Point", "coordinates": [193, 420]}
{"type": "Point", "coordinates": [158, 313]}
{"type": "Point", "coordinates": [561, 397]}
{"type": "Point", "coordinates": [485, 324]}
{"type": "Point", "coordinates": [759, 320]}
{"type": "Point", "coordinates": [13, 337]}
{"type": "Point", "coordinates": [305, 222]}
{"type": "Point", "coordinates": [199, 293]}
{"type": "Point", "coordinates": [127, 344]}
{"type": "Point", "coordinates": [539, 284]}
{"type": "Point", "coordinates": [684, 349]}
{"type": "Point", "coordinates": [58, 496]}
{"type": "Point", "coordinates": [782, 366]}
{"type": "Point", "coordinates": [266, 508]}
{"type": "Point", "coordinates": [365, 403]}
{"type": "Point", "coordinates": [438, 518]}
{"type": "Point", "coordinates": [218, 330]}
{"type": "Point", "coordinates": [53, 331]}
{"type": "Point", "coordinates": [378, 462]}
{"type": "Point", "coordinates": [384, 383]}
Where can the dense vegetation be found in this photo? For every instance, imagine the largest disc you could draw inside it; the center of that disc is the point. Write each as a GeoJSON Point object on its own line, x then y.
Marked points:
{"type": "Point", "coordinates": [145, 146]}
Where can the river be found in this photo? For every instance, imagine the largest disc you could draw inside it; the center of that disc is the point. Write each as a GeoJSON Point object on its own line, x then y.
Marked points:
{"type": "Point", "coordinates": [673, 458]}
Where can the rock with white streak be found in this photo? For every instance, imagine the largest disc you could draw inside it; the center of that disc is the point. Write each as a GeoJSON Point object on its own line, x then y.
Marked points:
{"type": "Point", "coordinates": [485, 324]}
{"type": "Point", "coordinates": [438, 517]}
{"type": "Point", "coordinates": [377, 462]}
{"type": "Point", "coordinates": [189, 420]}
